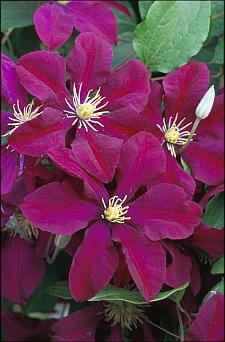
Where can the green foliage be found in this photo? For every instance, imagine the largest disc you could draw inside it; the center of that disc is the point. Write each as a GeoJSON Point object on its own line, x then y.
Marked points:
{"type": "Point", "coordinates": [172, 33]}
{"type": "Point", "coordinates": [17, 13]}
{"type": "Point", "coordinates": [218, 54]}
{"type": "Point", "coordinates": [144, 7]}
{"type": "Point", "coordinates": [218, 266]}
{"type": "Point", "coordinates": [112, 293]}
{"type": "Point", "coordinates": [214, 214]}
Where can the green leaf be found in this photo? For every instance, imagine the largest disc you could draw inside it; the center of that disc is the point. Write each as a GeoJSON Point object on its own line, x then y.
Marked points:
{"type": "Point", "coordinates": [124, 24]}
{"type": "Point", "coordinates": [219, 51]}
{"type": "Point", "coordinates": [217, 17]}
{"type": "Point", "coordinates": [144, 7]}
{"type": "Point", "coordinates": [124, 49]}
{"type": "Point", "coordinates": [18, 13]}
{"type": "Point", "coordinates": [179, 293]}
{"type": "Point", "coordinates": [60, 289]}
{"type": "Point", "coordinates": [214, 214]}
{"type": "Point", "coordinates": [112, 293]}
{"type": "Point", "coordinates": [221, 287]}
{"type": "Point", "coordinates": [218, 266]}
{"type": "Point", "coordinates": [172, 33]}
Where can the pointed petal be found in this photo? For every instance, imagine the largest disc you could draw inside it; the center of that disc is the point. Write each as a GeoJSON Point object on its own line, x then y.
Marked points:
{"type": "Point", "coordinates": [98, 154]}
{"type": "Point", "coordinates": [164, 212]}
{"type": "Point", "coordinates": [90, 61]}
{"type": "Point", "coordinates": [23, 270]}
{"type": "Point", "coordinates": [184, 89]}
{"type": "Point", "coordinates": [43, 74]}
{"type": "Point", "coordinates": [214, 124]}
{"type": "Point", "coordinates": [79, 326]}
{"type": "Point", "coordinates": [128, 88]}
{"type": "Point", "coordinates": [142, 159]}
{"type": "Point", "coordinates": [64, 158]}
{"type": "Point", "coordinates": [207, 239]}
{"type": "Point", "coordinates": [178, 271]}
{"type": "Point", "coordinates": [176, 175]}
{"type": "Point", "coordinates": [94, 263]}
{"type": "Point", "coordinates": [96, 17]}
{"type": "Point", "coordinates": [205, 158]}
{"type": "Point", "coordinates": [11, 88]}
{"type": "Point", "coordinates": [209, 323]}
{"type": "Point", "coordinates": [57, 209]}
{"type": "Point", "coordinates": [53, 25]}
{"type": "Point", "coordinates": [35, 137]}
{"type": "Point", "coordinates": [145, 259]}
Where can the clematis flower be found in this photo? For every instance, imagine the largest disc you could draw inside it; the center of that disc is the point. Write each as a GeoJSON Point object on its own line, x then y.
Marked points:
{"type": "Point", "coordinates": [54, 21]}
{"type": "Point", "coordinates": [184, 88]}
{"type": "Point", "coordinates": [137, 223]}
{"type": "Point", "coordinates": [95, 90]}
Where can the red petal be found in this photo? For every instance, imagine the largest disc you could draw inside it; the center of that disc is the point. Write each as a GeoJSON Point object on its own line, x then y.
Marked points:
{"type": "Point", "coordinates": [146, 260]}
{"type": "Point", "coordinates": [94, 263]}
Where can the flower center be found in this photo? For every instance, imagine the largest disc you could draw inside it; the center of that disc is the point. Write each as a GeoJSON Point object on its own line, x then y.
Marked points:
{"type": "Point", "coordinates": [18, 224]}
{"type": "Point", "coordinates": [174, 133]}
{"type": "Point", "coordinates": [22, 116]}
{"type": "Point", "coordinates": [63, 2]}
{"type": "Point", "coordinates": [86, 112]}
{"type": "Point", "coordinates": [115, 212]}
{"type": "Point", "coordinates": [128, 315]}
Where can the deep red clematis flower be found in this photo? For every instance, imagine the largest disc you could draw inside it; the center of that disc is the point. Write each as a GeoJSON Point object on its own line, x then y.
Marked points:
{"type": "Point", "coordinates": [54, 21]}
{"type": "Point", "coordinates": [183, 90]}
{"type": "Point", "coordinates": [162, 212]}
{"type": "Point", "coordinates": [95, 90]}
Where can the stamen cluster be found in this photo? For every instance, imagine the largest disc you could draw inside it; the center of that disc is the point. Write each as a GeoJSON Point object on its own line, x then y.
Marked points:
{"type": "Point", "coordinates": [86, 112]}
{"type": "Point", "coordinates": [115, 212]}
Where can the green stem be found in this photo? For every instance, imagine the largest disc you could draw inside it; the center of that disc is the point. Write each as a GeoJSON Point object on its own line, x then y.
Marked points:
{"type": "Point", "coordinates": [196, 123]}
{"type": "Point", "coordinates": [180, 324]}
{"type": "Point", "coordinates": [164, 330]}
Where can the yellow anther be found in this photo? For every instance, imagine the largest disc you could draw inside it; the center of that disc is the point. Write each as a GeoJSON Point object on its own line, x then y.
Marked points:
{"type": "Point", "coordinates": [115, 212]}
{"type": "Point", "coordinates": [85, 111]}
{"type": "Point", "coordinates": [63, 2]}
{"type": "Point", "coordinates": [172, 135]}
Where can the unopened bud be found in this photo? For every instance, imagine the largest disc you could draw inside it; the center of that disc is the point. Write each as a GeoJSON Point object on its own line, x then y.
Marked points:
{"type": "Point", "coordinates": [61, 241]}
{"type": "Point", "coordinates": [205, 105]}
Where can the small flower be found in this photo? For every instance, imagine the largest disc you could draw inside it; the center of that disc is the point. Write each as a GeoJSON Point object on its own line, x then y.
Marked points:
{"type": "Point", "coordinates": [115, 211]}
{"type": "Point", "coordinates": [22, 116]}
{"type": "Point", "coordinates": [205, 105]}
{"type": "Point", "coordinates": [174, 134]}
{"type": "Point", "coordinates": [86, 112]}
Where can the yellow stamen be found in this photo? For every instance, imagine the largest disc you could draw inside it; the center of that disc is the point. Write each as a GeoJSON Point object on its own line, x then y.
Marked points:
{"type": "Point", "coordinates": [115, 212]}
{"type": "Point", "coordinates": [63, 2]}
{"type": "Point", "coordinates": [21, 117]}
{"type": "Point", "coordinates": [174, 134]}
{"type": "Point", "coordinates": [88, 111]}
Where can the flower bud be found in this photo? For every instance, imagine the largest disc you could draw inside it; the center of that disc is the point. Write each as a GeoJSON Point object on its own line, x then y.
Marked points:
{"type": "Point", "coordinates": [61, 241]}
{"type": "Point", "coordinates": [205, 105]}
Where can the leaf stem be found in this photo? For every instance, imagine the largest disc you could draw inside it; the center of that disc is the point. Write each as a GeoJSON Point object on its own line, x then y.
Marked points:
{"type": "Point", "coordinates": [180, 324]}
{"type": "Point", "coordinates": [164, 330]}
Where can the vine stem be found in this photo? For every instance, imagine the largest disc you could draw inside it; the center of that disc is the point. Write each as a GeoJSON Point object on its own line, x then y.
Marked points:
{"type": "Point", "coordinates": [164, 330]}
{"type": "Point", "coordinates": [196, 123]}
{"type": "Point", "coordinates": [180, 324]}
